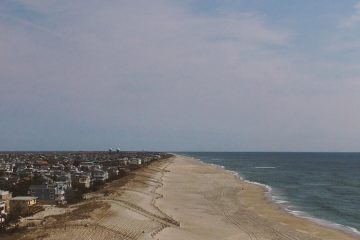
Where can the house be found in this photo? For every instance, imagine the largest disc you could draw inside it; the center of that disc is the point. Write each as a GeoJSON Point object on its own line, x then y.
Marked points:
{"type": "Point", "coordinates": [63, 177]}
{"type": "Point", "coordinates": [113, 172]}
{"type": "Point", "coordinates": [123, 161]}
{"type": "Point", "coordinates": [80, 181]}
{"type": "Point", "coordinates": [135, 161]}
{"type": "Point", "coordinates": [9, 181]}
{"type": "Point", "coordinates": [22, 205]}
{"type": "Point", "coordinates": [49, 193]}
{"type": "Point", "coordinates": [99, 176]}
{"type": "Point", "coordinates": [5, 197]}
{"type": "Point", "coordinates": [27, 172]}
{"type": "Point", "coordinates": [3, 213]}
{"type": "Point", "coordinates": [86, 165]}
{"type": "Point", "coordinates": [6, 167]}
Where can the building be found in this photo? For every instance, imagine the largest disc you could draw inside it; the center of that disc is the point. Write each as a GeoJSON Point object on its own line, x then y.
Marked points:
{"type": "Point", "coordinates": [5, 197]}
{"type": "Point", "coordinates": [63, 177]}
{"type": "Point", "coordinates": [87, 165]}
{"type": "Point", "coordinates": [3, 213]}
{"type": "Point", "coordinates": [113, 172]}
{"type": "Point", "coordinates": [135, 161]}
{"type": "Point", "coordinates": [22, 205]}
{"type": "Point", "coordinates": [6, 167]}
{"type": "Point", "coordinates": [53, 193]}
{"type": "Point", "coordinates": [80, 181]}
{"type": "Point", "coordinates": [99, 176]}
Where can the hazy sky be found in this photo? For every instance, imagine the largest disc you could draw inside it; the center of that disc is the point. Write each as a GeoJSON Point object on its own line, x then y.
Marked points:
{"type": "Point", "coordinates": [220, 75]}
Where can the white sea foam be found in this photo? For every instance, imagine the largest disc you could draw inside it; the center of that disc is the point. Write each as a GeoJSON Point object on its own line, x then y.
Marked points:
{"type": "Point", "coordinates": [357, 232]}
{"type": "Point", "coordinates": [265, 167]}
{"type": "Point", "coordinates": [267, 187]}
{"type": "Point", "coordinates": [326, 223]}
{"type": "Point", "coordinates": [286, 206]}
{"type": "Point", "coordinates": [214, 165]}
{"type": "Point", "coordinates": [293, 210]}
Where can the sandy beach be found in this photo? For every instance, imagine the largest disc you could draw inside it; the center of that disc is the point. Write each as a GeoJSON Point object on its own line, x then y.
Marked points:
{"type": "Point", "coordinates": [180, 198]}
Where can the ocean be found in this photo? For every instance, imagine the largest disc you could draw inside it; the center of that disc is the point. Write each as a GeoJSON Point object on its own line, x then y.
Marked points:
{"type": "Point", "coordinates": [324, 187]}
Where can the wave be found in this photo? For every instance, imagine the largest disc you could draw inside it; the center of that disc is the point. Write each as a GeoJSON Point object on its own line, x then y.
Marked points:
{"type": "Point", "coordinates": [292, 210]}
{"type": "Point", "coordinates": [269, 192]}
{"type": "Point", "coordinates": [265, 167]}
{"type": "Point", "coordinates": [267, 187]}
{"type": "Point", "coordinates": [325, 223]}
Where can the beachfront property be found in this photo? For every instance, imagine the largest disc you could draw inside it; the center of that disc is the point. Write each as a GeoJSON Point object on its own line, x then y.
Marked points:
{"type": "Point", "coordinates": [48, 191]}
{"type": "Point", "coordinates": [81, 180]}
{"type": "Point", "coordinates": [3, 213]}
{"type": "Point", "coordinates": [99, 176]}
{"type": "Point", "coordinates": [135, 161]}
{"type": "Point", "coordinates": [62, 177]}
{"type": "Point", "coordinates": [113, 172]}
{"type": "Point", "coordinates": [123, 161]}
{"type": "Point", "coordinates": [57, 178]}
{"type": "Point", "coordinates": [53, 193]}
{"type": "Point", "coordinates": [23, 205]}
{"type": "Point", "coordinates": [5, 197]}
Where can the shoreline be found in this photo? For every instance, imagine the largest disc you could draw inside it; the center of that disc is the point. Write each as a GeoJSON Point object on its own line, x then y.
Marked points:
{"type": "Point", "coordinates": [270, 199]}
{"type": "Point", "coordinates": [180, 198]}
{"type": "Point", "coordinates": [267, 191]}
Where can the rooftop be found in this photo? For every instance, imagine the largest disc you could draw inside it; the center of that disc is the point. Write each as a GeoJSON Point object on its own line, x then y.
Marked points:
{"type": "Point", "coordinates": [4, 192]}
{"type": "Point", "coordinates": [24, 198]}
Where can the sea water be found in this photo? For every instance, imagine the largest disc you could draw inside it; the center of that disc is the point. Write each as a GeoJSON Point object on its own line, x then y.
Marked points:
{"type": "Point", "coordinates": [322, 186]}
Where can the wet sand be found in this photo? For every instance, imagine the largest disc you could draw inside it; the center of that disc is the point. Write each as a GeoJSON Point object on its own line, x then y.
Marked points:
{"type": "Point", "coordinates": [211, 203]}
{"type": "Point", "coordinates": [181, 198]}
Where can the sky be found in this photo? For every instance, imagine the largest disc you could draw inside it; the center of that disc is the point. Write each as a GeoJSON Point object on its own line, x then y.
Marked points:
{"type": "Point", "coordinates": [171, 75]}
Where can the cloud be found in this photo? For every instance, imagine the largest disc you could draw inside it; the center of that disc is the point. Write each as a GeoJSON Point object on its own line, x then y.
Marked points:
{"type": "Point", "coordinates": [131, 46]}
{"type": "Point", "coordinates": [353, 20]}
{"type": "Point", "coordinates": [153, 75]}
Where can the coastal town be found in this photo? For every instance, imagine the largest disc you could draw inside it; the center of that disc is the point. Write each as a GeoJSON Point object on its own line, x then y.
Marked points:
{"type": "Point", "coordinates": [150, 196]}
{"type": "Point", "coordinates": [31, 180]}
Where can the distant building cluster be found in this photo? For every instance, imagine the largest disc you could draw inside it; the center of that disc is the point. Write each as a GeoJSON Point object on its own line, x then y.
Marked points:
{"type": "Point", "coordinates": [30, 180]}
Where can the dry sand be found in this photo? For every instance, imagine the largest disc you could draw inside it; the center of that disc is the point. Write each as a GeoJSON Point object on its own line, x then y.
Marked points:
{"type": "Point", "coordinates": [211, 203]}
{"type": "Point", "coordinates": [181, 198]}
